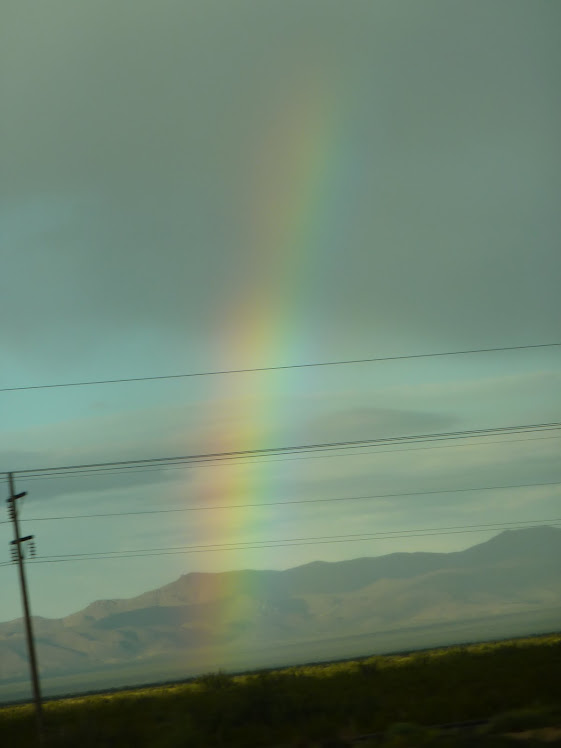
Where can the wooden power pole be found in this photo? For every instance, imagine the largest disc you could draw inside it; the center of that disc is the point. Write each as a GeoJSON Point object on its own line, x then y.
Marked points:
{"type": "Point", "coordinates": [18, 557]}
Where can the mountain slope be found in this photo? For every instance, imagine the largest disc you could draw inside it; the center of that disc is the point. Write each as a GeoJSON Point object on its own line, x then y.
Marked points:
{"type": "Point", "coordinates": [515, 572]}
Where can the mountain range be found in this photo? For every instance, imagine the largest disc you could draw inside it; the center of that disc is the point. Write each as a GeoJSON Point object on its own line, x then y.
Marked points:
{"type": "Point", "coordinates": [508, 585]}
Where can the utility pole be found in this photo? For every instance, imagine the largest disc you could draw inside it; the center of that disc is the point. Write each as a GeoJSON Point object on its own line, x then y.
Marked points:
{"type": "Point", "coordinates": [17, 556]}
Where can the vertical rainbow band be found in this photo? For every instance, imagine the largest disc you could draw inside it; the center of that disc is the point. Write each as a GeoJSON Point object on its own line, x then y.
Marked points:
{"type": "Point", "coordinates": [296, 187]}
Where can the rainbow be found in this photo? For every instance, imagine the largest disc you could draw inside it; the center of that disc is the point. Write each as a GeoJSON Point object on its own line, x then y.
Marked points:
{"type": "Point", "coordinates": [293, 195]}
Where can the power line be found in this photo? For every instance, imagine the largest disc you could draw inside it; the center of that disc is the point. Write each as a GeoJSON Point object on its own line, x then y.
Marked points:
{"type": "Point", "coordinates": [293, 449]}
{"type": "Point", "coordinates": [389, 533]}
{"type": "Point", "coordinates": [286, 543]}
{"type": "Point", "coordinates": [293, 501]}
{"type": "Point", "coordinates": [278, 368]}
{"type": "Point", "coordinates": [260, 461]}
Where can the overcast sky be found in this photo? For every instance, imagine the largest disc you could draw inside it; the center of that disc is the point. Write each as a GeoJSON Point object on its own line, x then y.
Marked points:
{"type": "Point", "coordinates": [191, 186]}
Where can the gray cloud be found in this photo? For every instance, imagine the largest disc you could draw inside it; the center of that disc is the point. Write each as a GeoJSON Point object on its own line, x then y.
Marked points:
{"type": "Point", "coordinates": [355, 423]}
{"type": "Point", "coordinates": [130, 140]}
{"type": "Point", "coordinates": [89, 484]}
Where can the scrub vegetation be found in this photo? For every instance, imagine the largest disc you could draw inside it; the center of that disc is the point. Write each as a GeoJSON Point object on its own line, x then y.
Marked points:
{"type": "Point", "coordinates": [512, 688]}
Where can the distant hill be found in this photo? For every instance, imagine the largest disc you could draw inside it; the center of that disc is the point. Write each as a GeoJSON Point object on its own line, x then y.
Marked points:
{"type": "Point", "coordinates": [205, 618]}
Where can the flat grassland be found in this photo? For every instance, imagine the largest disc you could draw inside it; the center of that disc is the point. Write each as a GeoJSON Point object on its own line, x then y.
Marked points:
{"type": "Point", "coordinates": [514, 684]}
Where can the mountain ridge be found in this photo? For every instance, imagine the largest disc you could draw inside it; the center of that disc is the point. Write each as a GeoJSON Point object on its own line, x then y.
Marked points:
{"type": "Point", "coordinates": [401, 561]}
{"type": "Point", "coordinates": [205, 616]}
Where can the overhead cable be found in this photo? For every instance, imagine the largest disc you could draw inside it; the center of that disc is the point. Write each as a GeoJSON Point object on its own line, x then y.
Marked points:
{"type": "Point", "coordinates": [373, 451]}
{"type": "Point", "coordinates": [287, 543]}
{"type": "Point", "coordinates": [293, 449]}
{"type": "Point", "coordinates": [278, 368]}
{"type": "Point", "coordinates": [291, 502]}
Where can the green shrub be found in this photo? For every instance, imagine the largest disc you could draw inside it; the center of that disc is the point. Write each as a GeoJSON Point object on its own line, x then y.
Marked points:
{"type": "Point", "coordinates": [314, 704]}
{"type": "Point", "coordinates": [524, 719]}
{"type": "Point", "coordinates": [215, 681]}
